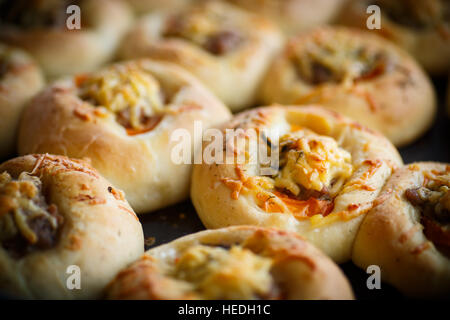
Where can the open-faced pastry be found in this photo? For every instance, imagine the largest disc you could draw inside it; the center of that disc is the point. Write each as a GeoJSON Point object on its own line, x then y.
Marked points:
{"type": "Point", "coordinates": [422, 27]}
{"type": "Point", "coordinates": [357, 74]}
{"type": "Point", "coordinates": [295, 16]}
{"type": "Point", "coordinates": [59, 217]}
{"type": "Point", "coordinates": [303, 169]}
{"type": "Point", "coordinates": [20, 79]}
{"type": "Point", "coordinates": [407, 234]}
{"type": "Point", "coordinates": [48, 30]}
{"type": "Point", "coordinates": [227, 48]}
{"type": "Point", "coordinates": [232, 263]}
{"type": "Point", "coordinates": [123, 118]}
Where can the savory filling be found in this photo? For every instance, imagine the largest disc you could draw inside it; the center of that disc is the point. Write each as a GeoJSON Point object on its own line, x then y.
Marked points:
{"type": "Point", "coordinates": [132, 94]}
{"type": "Point", "coordinates": [30, 14]}
{"type": "Point", "coordinates": [205, 30]}
{"type": "Point", "coordinates": [216, 272]}
{"type": "Point", "coordinates": [433, 199]}
{"type": "Point", "coordinates": [338, 61]}
{"type": "Point", "coordinates": [27, 222]}
{"type": "Point", "coordinates": [423, 14]}
{"type": "Point", "coordinates": [312, 171]}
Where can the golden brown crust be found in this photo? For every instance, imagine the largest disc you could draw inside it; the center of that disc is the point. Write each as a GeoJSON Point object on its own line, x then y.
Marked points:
{"type": "Point", "coordinates": [230, 194]}
{"type": "Point", "coordinates": [60, 122]}
{"type": "Point", "coordinates": [233, 75]}
{"type": "Point", "coordinates": [99, 233]}
{"type": "Point", "coordinates": [62, 52]}
{"type": "Point", "coordinates": [20, 80]}
{"type": "Point", "coordinates": [392, 236]}
{"type": "Point", "coordinates": [390, 94]}
{"type": "Point", "coordinates": [144, 6]}
{"type": "Point", "coordinates": [295, 16]}
{"type": "Point", "coordinates": [299, 270]}
{"type": "Point", "coordinates": [412, 39]}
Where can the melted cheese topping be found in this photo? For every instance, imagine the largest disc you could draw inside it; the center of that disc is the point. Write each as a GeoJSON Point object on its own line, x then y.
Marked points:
{"type": "Point", "coordinates": [218, 273]}
{"type": "Point", "coordinates": [129, 92]}
{"type": "Point", "coordinates": [313, 162]}
{"type": "Point", "coordinates": [19, 204]}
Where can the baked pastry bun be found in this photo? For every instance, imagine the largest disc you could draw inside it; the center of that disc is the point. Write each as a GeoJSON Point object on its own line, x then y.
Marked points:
{"type": "Point", "coordinates": [229, 49]}
{"type": "Point", "coordinates": [124, 119]}
{"type": "Point", "coordinates": [420, 27]}
{"type": "Point", "coordinates": [295, 16]}
{"type": "Point", "coordinates": [407, 234]}
{"type": "Point", "coordinates": [20, 79]}
{"type": "Point", "coordinates": [357, 74]}
{"type": "Point", "coordinates": [329, 171]}
{"type": "Point", "coordinates": [42, 28]}
{"type": "Point", "coordinates": [57, 214]}
{"type": "Point", "coordinates": [232, 263]}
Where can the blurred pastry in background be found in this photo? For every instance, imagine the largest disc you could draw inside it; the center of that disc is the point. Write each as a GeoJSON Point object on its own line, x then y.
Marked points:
{"type": "Point", "coordinates": [57, 217]}
{"type": "Point", "coordinates": [228, 48]}
{"type": "Point", "coordinates": [41, 27]}
{"type": "Point", "coordinates": [20, 79]}
{"type": "Point", "coordinates": [303, 169]}
{"type": "Point", "coordinates": [145, 6]}
{"type": "Point", "coordinates": [422, 27]}
{"type": "Point", "coordinates": [122, 118]}
{"type": "Point", "coordinates": [358, 74]}
{"type": "Point", "coordinates": [407, 233]}
{"type": "Point", "coordinates": [294, 16]}
{"type": "Point", "coordinates": [236, 263]}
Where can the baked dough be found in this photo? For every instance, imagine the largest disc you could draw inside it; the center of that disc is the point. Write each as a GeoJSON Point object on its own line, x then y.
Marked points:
{"type": "Point", "coordinates": [233, 263]}
{"type": "Point", "coordinates": [407, 234]}
{"type": "Point", "coordinates": [357, 74]}
{"type": "Point", "coordinates": [227, 48]}
{"type": "Point", "coordinates": [421, 27]}
{"type": "Point", "coordinates": [330, 170]}
{"type": "Point", "coordinates": [55, 213]}
{"type": "Point", "coordinates": [124, 119]}
{"type": "Point", "coordinates": [295, 16]}
{"type": "Point", "coordinates": [40, 28]}
{"type": "Point", "coordinates": [20, 80]}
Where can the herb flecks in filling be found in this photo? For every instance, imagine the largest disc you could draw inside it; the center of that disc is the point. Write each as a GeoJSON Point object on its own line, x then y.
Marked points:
{"type": "Point", "coordinates": [423, 14]}
{"type": "Point", "coordinates": [30, 14]}
{"type": "Point", "coordinates": [133, 95]}
{"type": "Point", "coordinates": [339, 60]}
{"type": "Point", "coordinates": [433, 199]}
{"type": "Point", "coordinates": [27, 222]}
{"type": "Point", "coordinates": [218, 273]}
{"type": "Point", "coordinates": [203, 29]}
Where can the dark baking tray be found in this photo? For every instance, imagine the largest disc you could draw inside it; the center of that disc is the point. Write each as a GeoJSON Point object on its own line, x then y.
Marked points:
{"type": "Point", "coordinates": [181, 219]}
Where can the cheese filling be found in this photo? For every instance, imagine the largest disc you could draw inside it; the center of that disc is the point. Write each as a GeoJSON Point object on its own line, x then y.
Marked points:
{"type": "Point", "coordinates": [339, 60]}
{"type": "Point", "coordinates": [221, 273]}
{"type": "Point", "coordinates": [312, 162]}
{"type": "Point", "coordinates": [27, 222]}
{"type": "Point", "coordinates": [133, 95]}
{"type": "Point", "coordinates": [204, 28]}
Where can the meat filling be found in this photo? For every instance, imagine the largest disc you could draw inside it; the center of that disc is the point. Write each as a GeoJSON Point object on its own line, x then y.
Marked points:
{"type": "Point", "coordinates": [30, 14]}
{"type": "Point", "coordinates": [27, 222]}
{"type": "Point", "coordinates": [333, 63]}
{"type": "Point", "coordinates": [434, 204]}
{"type": "Point", "coordinates": [202, 30]}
